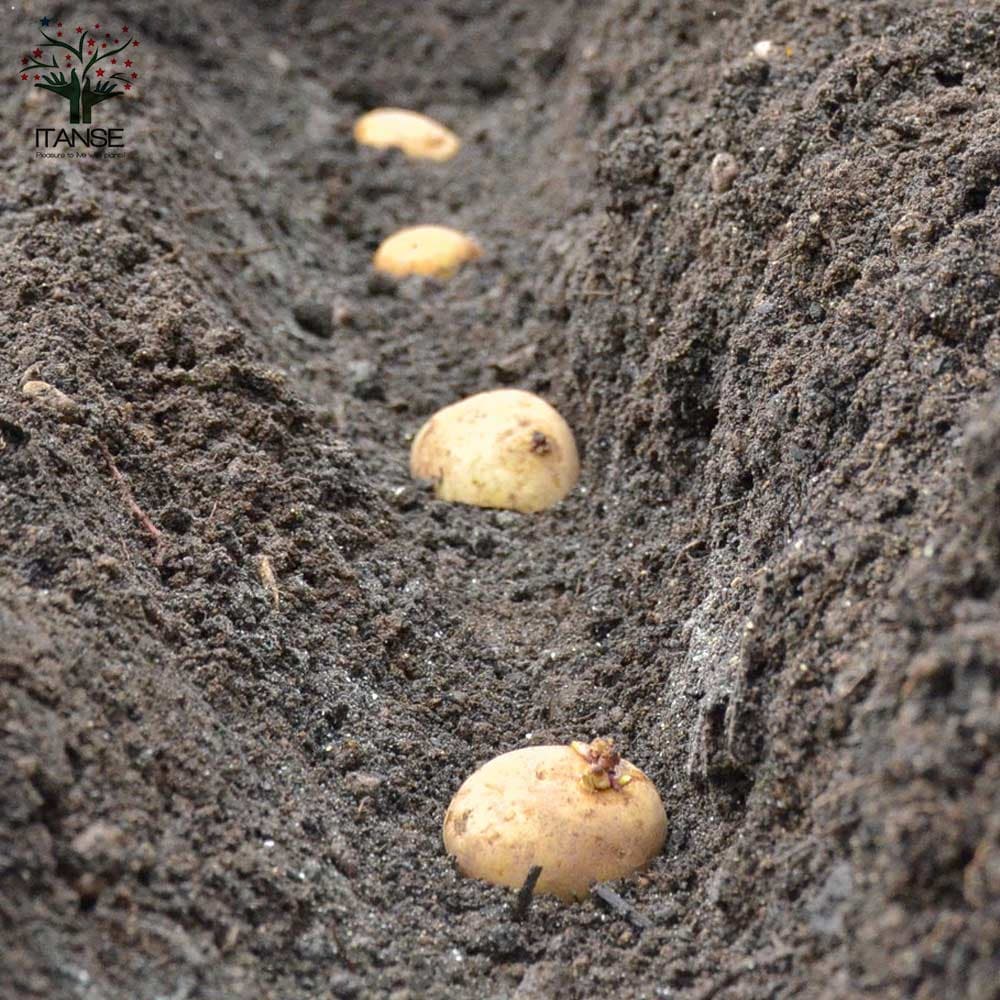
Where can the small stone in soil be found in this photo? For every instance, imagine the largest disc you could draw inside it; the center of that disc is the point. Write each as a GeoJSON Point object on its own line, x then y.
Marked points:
{"type": "Point", "coordinates": [316, 317]}
{"type": "Point", "coordinates": [723, 172]}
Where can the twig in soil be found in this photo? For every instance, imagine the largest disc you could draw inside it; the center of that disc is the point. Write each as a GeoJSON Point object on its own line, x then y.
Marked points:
{"type": "Point", "coordinates": [198, 210]}
{"type": "Point", "coordinates": [140, 515]}
{"type": "Point", "coordinates": [588, 291]}
{"type": "Point", "coordinates": [621, 906]}
{"type": "Point", "coordinates": [268, 579]}
{"type": "Point", "coordinates": [727, 503]}
{"type": "Point", "coordinates": [243, 251]}
{"type": "Point", "coordinates": [526, 893]}
{"type": "Point", "coordinates": [687, 548]}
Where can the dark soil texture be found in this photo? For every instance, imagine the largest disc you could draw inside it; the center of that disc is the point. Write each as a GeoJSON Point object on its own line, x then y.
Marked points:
{"type": "Point", "coordinates": [764, 290]}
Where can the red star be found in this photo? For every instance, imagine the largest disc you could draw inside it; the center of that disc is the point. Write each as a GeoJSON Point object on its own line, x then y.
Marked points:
{"type": "Point", "coordinates": [136, 42]}
{"type": "Point", "coordinates": [24, 76]}
{"type": "Point", "coordinates": [59, 25]}
{"type": "Point", "coordinates": [25, 61]}
{"type": "Point", "coordinates": [113, 61]}
{"type": "Point", "coordinates": [96, 25]}
{"type": "Point", "coordinates": [135, 76]}
{"type": "Point", "coordinates": [128, 62]}
{"type": "Point", "coordinates": [100, 72]}
{"type": "Point", "coordinates": [104, 45]}
{"type": "Point", "coordinates": [78, 29]}
{"type": "Point", "coordinates": [128, 86]}
{"type": "Point", "coordinates": [37, 77]}
{"type": "Point", "coordinates": [116, 41]}
{"type": "Point", "coordinates": [108, 35]}
{"type": "Point", "coordinates": [124, 29]}
{"type": "Point", "coordinates": [58, 34]}
{"type": "Point", "coordinates": [37, 53]}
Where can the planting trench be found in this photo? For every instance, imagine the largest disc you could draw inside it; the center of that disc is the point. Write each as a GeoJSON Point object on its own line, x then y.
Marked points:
{"type": "Point", "coordinates": [776, 585]}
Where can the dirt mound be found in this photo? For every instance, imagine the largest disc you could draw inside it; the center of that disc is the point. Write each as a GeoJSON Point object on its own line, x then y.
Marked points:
{"type": "Point", "coordinates": [246, 662]}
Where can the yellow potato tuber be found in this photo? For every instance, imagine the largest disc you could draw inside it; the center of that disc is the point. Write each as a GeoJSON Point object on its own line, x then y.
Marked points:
{"type": "Point", "coordinates": [580, 812]}
{"type": "Point", "coordinates": [505, 448]}
{"type": "Point", "coordinates": [433, 251]}
{"type": "Point", "coordinates": [419, 137]}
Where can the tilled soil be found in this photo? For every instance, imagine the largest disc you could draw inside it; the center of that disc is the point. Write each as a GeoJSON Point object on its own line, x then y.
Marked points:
{"type": "Point", "coordinates": [776, 585]}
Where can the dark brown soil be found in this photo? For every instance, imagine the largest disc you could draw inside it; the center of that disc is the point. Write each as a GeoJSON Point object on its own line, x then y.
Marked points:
{"type": "Point", "coordinates": [777, 586]}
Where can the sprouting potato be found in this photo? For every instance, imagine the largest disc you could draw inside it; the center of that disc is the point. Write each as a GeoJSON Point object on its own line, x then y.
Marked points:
{"type": "Point", "coordinates": [433, 251]}
{"type": "Point", "coordinates": [418, 136]}
{"type": "Point", "coordinates": [580, 812]}
{"type": "Point", "coordinates": [505, 448]}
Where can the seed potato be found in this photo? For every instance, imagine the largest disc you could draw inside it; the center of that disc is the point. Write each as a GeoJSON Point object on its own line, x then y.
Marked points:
{"type": "Point", "coordinates": [432, 251]}
{"type": "Point", "coordinates": [417, 135]}
{"type": "Point", "coordinates": [505, 448]}
{"type": "Point", "coordinates": [580, 812]}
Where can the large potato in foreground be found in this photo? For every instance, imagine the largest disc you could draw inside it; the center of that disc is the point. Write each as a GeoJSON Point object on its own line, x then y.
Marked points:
{"type": "Point", "coordinates": [505, 448]}
{"type": "Point", "coordinates": [433, 251]}
{"type": "Point", "coordinates": [418, 136]}
{"type": "Point", "coordinates": [557, 807]}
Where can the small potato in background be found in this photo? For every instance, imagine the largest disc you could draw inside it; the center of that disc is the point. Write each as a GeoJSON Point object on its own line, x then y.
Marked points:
{"type": "Point", "coordinates": [505, 448]}
{"type": "Point", "coordinates": [417, 135]}
{"type": "Point", "coordinates": [431, 251]}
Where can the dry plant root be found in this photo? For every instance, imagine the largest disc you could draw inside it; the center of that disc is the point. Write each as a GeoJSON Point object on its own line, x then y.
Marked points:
{"type": "Point", "coordinates": [137, 512]}
{"type": "Point", "coordinates": [269, 580]}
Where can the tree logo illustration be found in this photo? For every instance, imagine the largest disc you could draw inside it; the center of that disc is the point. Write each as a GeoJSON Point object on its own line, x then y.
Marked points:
{"type": "Point", "coordinates": [94, 45]}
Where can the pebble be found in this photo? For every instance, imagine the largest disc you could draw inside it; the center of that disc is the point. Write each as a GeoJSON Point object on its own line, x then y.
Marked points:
{"type": "Point", "coordinates": [316, 317]}
{"type": "Point", "coordinates": [723, 172]}
{"type": "Point", "coordinates": [52, 399]}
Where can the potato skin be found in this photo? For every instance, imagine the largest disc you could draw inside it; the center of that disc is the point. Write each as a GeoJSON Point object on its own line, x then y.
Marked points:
{"type": "Point", "coordinates": [505, 448]}
{"type": "Point", "coordinates": [529, 807]}
{"type": "Point", "coordinates": [417, 135]}
{"type": "Point", "coordinates": [432, 251]}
